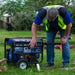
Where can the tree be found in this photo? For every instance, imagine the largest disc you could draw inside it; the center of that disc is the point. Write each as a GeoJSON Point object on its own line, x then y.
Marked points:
{"type": "Point", "coordinates": [73, 19]}
{"type": "Point", "coordinates": [11, 7]}
{"type": "Point", "coordinates": [19, 5]}
{"type": "Point", "coordinates": [23, 20]}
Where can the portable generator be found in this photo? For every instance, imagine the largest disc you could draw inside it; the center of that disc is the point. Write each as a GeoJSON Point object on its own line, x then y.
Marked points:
{"type": "Point", "coordinates": [18, 51]}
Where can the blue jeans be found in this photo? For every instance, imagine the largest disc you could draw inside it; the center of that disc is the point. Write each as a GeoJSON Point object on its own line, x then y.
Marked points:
{"type": "Point", "coordinates": [50, 48]}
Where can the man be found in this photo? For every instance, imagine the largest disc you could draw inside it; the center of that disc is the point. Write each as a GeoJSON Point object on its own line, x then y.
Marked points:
{"type": "Point", "coordinates": [56, 18]}
{"type": "Point", "coordinates": [8, 21]}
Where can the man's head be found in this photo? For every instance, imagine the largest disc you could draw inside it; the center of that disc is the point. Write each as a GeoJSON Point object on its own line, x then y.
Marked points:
{"type": "Point", "coordinates": [52, 14]}
{"type": "Point", "coordinates": [10, 15]}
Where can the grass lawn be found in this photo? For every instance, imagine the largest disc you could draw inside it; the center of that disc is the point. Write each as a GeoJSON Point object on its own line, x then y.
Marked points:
{"type": "Point", "coordinates": [13, 70]}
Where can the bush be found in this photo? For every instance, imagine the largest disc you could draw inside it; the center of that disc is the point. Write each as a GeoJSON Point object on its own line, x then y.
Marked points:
{"type": "Point", "coordinates": [72, 11]}
{"type": "Point", "coordinates": [23, 20]}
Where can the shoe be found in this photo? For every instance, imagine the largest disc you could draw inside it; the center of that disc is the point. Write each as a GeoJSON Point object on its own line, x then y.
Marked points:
{"type": "Point", "coordinates": [49, 65]}
{"type": "Point", "coordinates": [63, 66]}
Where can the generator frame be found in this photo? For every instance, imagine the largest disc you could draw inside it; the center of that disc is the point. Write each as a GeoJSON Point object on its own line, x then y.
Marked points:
{"type": "Point", "coordinates": [23, 59]}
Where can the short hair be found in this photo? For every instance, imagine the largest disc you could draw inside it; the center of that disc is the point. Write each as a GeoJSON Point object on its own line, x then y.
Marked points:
{"type": "Point", "coordinates": [52, 13]}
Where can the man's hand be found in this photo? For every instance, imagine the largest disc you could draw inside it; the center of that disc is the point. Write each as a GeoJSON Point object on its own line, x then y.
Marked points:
{"type": "Point", "coordinates": [63, 40]}
{"type": "Point", "coordinates": [33, 43]}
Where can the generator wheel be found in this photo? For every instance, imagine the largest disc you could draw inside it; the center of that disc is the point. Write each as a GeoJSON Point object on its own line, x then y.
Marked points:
{"type": "Point", "coordinates": [22, 64]}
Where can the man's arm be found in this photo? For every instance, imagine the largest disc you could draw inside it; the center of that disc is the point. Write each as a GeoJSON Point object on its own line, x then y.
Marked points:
{"type": "Point", "coordinates": [38, 20]}
{"type": "Point", "coordinates": [68, 28]}
{"type": "Point", "coordinates": [68, 21]}
{"type": "Point", "coordinates": [34, 32]}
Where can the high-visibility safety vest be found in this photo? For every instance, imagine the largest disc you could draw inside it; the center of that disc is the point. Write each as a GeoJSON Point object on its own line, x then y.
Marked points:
{"type": "Point", "coordinates": [61, 23]}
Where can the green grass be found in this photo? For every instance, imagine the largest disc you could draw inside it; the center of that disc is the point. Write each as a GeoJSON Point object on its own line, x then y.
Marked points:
{"type": "Point", "coordinates": [13, 70]}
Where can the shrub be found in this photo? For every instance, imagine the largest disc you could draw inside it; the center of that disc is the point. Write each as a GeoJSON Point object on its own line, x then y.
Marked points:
{"type": "Point", "coordinates": [72, 11]}
{"type": "Point", "coordinates": [23, 20]}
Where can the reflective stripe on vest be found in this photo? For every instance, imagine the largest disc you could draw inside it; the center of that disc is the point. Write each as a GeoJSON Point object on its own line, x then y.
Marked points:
{"type": "Point", "coordinates": [60, 21]}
